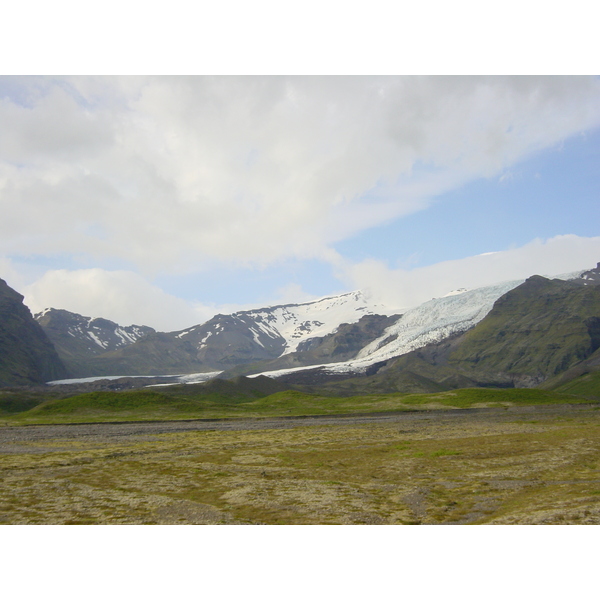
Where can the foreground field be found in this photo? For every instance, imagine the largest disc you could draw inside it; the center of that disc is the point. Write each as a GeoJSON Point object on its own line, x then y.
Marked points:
{"type": "Point", "coordinates": [526, 464]}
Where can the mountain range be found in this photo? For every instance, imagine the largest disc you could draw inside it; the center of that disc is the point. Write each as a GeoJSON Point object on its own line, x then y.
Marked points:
{"type": "Point", "coordinates": [518, 333]}
{"type": "Point", "coordinates": [93, 347]}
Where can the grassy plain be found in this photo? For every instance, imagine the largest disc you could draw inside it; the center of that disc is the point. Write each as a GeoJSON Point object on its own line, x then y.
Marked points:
{"type": "Point", "coordinates": [429, 466]}
{"type": "Point", "coordinates": [537, 467]}
{"type": "Point", "coordinates": [193, 403]}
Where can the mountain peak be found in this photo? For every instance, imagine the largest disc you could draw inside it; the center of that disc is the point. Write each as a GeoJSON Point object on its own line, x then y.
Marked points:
{"type": "Point", "coordinates": [75, 334]}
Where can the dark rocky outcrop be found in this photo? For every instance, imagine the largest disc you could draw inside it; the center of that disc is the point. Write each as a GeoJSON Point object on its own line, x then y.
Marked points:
{"type": "Point", "coordinates": [27, 356]}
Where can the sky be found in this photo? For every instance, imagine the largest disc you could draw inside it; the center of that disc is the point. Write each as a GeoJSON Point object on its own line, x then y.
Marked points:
{"type": "Point", "coordinates": [165, 200]}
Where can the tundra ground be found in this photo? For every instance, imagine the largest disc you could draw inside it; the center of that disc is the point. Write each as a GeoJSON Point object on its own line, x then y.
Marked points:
{"type": "Point", "coordinates": [528, 465]}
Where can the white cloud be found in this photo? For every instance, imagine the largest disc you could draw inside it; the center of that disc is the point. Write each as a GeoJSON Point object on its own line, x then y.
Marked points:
{"type": "Point", "coordinates": [292, 293]}
{"type": "Point", "coordinates": [405, 288]}
{"type": "Point", "coordinates": [11, 274]}
{"type": "Point", "coordinates": [167, 173]}
{"type": "Point", "coordinates": [121, 296]}
{"type": "Point", "coordinates": [127, 298]}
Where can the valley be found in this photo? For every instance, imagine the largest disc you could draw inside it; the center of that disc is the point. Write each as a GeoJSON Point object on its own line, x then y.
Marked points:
{"type": "Point", "coordinates": [478, 407]}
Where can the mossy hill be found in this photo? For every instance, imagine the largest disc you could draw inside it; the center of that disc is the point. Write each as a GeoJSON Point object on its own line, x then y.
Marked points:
{"type": "Point", "coordinates": [170, 402]}
{"type": "Point", "coordinates": [235, 401]}
{"type": "Point", "coordinates": [536, 331]}
{"type": "Point", "coordinates": [27, 356]}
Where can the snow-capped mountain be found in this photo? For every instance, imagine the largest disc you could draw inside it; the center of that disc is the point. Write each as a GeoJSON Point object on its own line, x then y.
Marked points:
{"type": "Point", "coordinates": [92, 347]}
{"type": "Point", "coordinates": [430, 322]}
{"type": "Point", "coordinates": [72, 333]}
{"type": "Point", "coordinates": [298, 322]}
{"type": "Point", "coordinates": [281, 329]}
{"type": "Point", "coordinates": [433, 321]}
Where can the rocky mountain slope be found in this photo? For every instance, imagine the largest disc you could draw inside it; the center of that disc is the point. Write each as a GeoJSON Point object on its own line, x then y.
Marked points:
{"type": "Point", "coordinates": [276, 330]}
{"type": "Point", "coordinates": [27, 356]}
{"type": "Point", "coordinates": [99, 347]}
{"type": "Point", "coordinates": [78, 339]}
{"type": "Point", "coordinates": [346, 341]}
{"type": "Point", "coordinates": [591, 277]}
{"type": "Point", "coordinates": [74, 335]}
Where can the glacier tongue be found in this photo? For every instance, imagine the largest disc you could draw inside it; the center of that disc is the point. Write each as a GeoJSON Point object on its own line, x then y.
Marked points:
{"type": "Point", "coordinates": [430, 322]}
{"type": "Point", "coordinates": [433, 321]}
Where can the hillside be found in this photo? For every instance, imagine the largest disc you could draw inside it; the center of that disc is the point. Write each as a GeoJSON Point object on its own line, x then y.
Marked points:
{"type": "Point", "coordinates": [538, 330]}
{"type": "Point", "coordinates": [27, 356]}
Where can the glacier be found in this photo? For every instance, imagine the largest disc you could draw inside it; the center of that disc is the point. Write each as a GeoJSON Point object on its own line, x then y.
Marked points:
{"type": "Point", "coordinates": [427, 323]}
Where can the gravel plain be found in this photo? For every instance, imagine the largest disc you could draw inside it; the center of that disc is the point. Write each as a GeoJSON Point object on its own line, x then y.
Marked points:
{"type": "Point", "coordinates": [30, 433]}
{"type": "Point", "coordinates": [528, 464]}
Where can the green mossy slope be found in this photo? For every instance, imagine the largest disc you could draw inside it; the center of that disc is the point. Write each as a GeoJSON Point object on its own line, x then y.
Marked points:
{"type": "Point", "coordinates": [151, 405]}
{"type": "Point", "coordinates": [535, 331]}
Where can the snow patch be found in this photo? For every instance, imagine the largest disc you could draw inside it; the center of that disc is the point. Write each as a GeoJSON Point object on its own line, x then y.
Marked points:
{"type": "Point", "coordinates": [177, 379]}
{"type": "Point", "coordinates": [97, 340]}
{"type": "Point", "coordinates": [256, 336]}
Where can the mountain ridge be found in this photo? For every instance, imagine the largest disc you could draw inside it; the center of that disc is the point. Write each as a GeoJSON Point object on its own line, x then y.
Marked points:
{"type": "Point", "coordinates": [335, 335]}
{"type": "Point", "coordinates": [221, 343]}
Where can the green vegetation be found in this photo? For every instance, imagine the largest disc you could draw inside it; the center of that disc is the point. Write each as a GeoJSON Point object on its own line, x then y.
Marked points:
{"type": "Point", "coordinates": [539, 329]}
{"type": "Point", "coordinates": [587, 385]}
{"type": "Point", "coordinates": [20, 399]}
{"type": "Point", "coordinates": [223, 399]}
{"type": "Point", "coordinates": [114, 402]}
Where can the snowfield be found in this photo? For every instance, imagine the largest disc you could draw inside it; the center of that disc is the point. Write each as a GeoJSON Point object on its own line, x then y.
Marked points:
{"type": "Point", "coordinates": [299, 322]}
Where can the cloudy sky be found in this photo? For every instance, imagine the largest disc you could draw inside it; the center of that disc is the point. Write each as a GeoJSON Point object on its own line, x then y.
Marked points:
{"type": "Point", "coordinates": [164, 200]}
